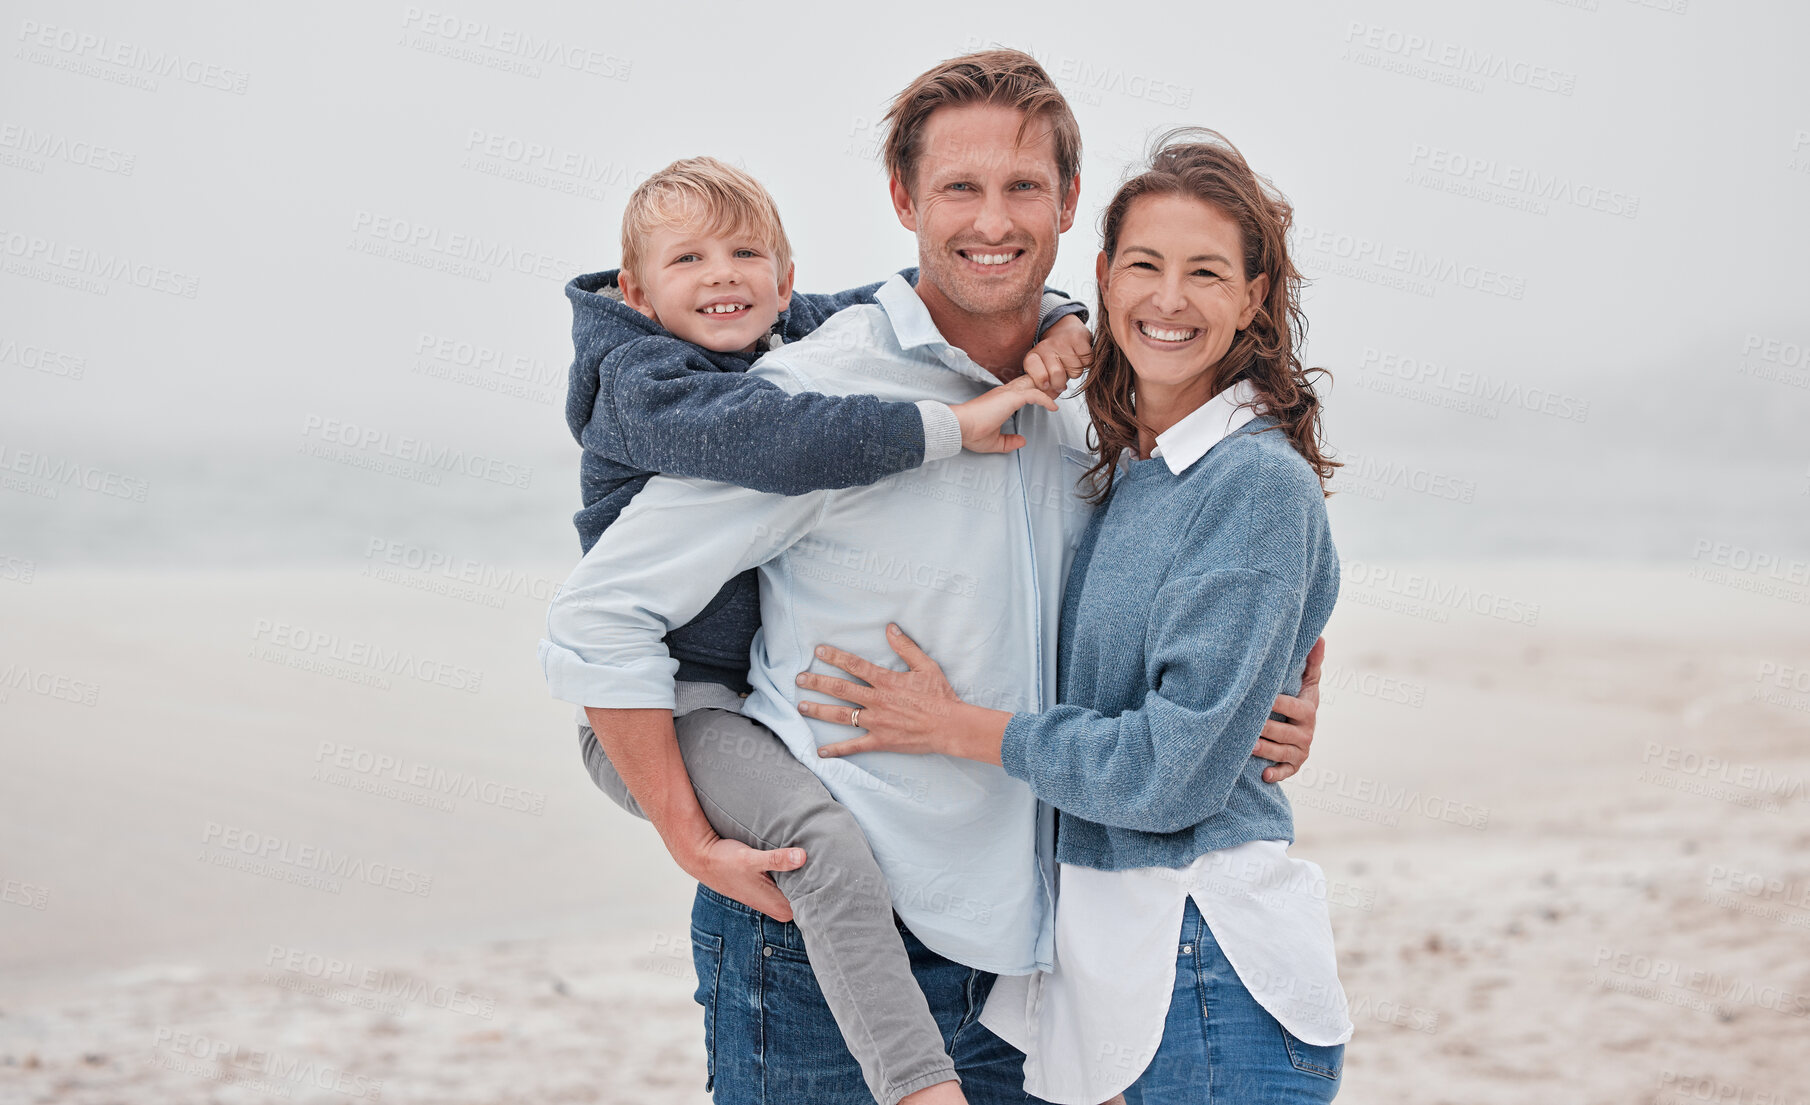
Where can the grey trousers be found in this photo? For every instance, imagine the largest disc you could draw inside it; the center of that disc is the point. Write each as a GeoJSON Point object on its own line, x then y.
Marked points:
{"type": "Point", "coordinates": [754, 790]}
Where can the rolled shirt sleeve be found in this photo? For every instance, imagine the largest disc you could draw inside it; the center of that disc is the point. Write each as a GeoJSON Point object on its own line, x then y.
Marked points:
{"type": "Point", "coordinates": [657, 567]}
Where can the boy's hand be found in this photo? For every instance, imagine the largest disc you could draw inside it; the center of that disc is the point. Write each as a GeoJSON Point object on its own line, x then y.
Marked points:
{"type": "Point", "coordinates": [982, 416]}
{"type": "Point", "coordinates": [1064, 353]}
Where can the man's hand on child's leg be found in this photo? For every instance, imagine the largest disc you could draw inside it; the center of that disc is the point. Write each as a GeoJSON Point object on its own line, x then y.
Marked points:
{"type": "Point", "coordinates": [643, 747]}
{"type": "Point", "coordinates": [735, 870]}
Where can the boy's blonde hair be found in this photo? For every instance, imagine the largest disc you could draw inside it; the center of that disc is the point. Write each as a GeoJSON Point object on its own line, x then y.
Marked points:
{"type": "Point", "coordinates": [720, 198]}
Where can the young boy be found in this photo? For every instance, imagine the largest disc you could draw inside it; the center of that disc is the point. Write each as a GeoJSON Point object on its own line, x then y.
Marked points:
{"type": "Point", "coordinates": [658, 385]}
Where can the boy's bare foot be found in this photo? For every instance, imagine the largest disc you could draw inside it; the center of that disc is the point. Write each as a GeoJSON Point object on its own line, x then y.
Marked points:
{"type": "Point", "coordinates": [943, 1093]}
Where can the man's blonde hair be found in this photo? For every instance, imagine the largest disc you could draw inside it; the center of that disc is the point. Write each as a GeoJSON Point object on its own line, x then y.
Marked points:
{"type": "Point", "coordinates": [702, 192]}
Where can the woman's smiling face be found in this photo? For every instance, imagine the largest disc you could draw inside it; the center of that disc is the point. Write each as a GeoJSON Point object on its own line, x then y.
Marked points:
{"type": "Point", "coordinates": [1176, 294]}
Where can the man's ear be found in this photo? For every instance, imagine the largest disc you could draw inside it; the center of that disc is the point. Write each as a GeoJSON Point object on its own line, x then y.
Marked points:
{"type": "Point", "coordinates": [785, 287]}
{"type": "Point", "coordinates": [1069, 202]}
{"type": "Point", "coordinates": [1253, 298]}
{"type": "Point", "coordinates": [902, 204]}
{"type": "Point", "coordinates": [634, 295]}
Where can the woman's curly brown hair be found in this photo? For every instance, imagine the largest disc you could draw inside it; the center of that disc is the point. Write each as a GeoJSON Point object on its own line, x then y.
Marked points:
{"type": "Point", "coordinates": [1202, 164]}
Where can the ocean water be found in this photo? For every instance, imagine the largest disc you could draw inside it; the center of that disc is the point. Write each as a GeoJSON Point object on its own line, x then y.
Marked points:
{"type": "Point", "coordinates": [262, 509]}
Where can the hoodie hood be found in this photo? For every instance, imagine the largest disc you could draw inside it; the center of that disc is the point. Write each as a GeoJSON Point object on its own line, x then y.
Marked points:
{"type": "Point", "coordinates": [602, 323]}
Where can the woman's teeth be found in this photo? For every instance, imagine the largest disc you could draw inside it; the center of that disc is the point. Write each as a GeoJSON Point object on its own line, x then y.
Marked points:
{"type": "Point", "coordinates": [1166, 335]}
{"type": "Point", "coordinates": [989, 258]}
{"type": "Point", "coordinates": [725, 308]}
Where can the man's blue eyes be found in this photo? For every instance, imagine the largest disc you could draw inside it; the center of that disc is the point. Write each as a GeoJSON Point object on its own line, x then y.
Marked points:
{"type": "Point", "coordinates": [1023, 185]}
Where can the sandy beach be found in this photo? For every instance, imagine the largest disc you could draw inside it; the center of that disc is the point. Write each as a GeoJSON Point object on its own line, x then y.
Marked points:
{"type": "Point", "coordinates": [321, 835]}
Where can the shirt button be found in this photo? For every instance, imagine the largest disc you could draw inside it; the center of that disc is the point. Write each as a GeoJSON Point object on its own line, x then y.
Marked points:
{"type": "Point", "coordinates": [766, 951]}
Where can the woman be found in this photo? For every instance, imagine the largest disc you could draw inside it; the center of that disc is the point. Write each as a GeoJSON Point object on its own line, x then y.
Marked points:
{"type": "Point", "coordinates": [1194, 957]}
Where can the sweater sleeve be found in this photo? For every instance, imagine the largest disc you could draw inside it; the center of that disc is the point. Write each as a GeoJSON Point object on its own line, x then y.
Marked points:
{"type": "Point", "coordinates": [658, 567]}
{"type": "Point", "coordinates": [658, 411]}
{"type": "Point", "coordinates": [1221, 650]}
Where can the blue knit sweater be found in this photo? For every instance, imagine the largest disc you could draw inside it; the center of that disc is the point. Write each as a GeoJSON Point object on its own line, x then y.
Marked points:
{"type": "Point", "coordinates": [1192, 602]}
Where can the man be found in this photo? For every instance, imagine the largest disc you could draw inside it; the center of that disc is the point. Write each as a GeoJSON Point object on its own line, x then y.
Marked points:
{"type": "Point", "coordinates": [967, 555]}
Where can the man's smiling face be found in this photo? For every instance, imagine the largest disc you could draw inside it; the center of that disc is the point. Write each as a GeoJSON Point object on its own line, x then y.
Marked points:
{"type": "Point", "coordinates": [987, 210]}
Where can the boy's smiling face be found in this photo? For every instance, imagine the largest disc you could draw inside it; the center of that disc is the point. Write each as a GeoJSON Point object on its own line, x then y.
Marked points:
{"type": "Point", "coordinates": [720, 290]}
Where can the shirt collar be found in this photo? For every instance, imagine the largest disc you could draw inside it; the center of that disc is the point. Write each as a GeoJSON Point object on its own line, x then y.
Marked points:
{"type": "Point", "coordinates": [915, 329]}
{"type": "Point", "coordinates": [1206, 426]}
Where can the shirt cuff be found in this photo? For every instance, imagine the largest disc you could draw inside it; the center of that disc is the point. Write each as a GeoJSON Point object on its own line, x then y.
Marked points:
{"type": "Point", "coordinates": [1057, 306]}
{"type": "Point", "coordinates": [942, 431]}
{"type": "Point", "coordinates": [642, 685]}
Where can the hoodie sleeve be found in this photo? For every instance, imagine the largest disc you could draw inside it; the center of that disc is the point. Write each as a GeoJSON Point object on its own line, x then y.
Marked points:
{"type": "Point", "coordinates": [662, 407]}
{"type": "Point", "coordinates": [810, 310]}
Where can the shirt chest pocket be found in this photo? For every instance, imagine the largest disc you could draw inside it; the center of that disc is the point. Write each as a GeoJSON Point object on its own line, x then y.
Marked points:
{"type": "Point", "coordinates": [1075, 463]}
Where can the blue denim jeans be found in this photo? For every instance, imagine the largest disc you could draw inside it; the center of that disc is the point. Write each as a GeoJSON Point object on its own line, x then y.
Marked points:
{"type": "Point", "coordinates": [769, 1036]}
{"type": "Point", "coordinates": [1220, 1046]}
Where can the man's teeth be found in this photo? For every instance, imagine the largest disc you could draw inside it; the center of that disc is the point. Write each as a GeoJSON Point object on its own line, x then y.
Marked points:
{"type": "Point", "coordinates": [989, 258]}
{"type": "Point", "coordinates": [725, 308]}
{"type": "Point", "coordinates": [1166, 335]}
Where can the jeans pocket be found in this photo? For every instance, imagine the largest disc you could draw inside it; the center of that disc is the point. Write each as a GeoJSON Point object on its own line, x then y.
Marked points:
{"type": "Point", "coordinates": [1314, 1058]}
{"type": "Point", "coordinates": [707, 957]}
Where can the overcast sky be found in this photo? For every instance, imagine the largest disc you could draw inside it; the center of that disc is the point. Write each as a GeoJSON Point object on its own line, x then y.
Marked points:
{"type": "Point", "coordinates": [1559, 249]}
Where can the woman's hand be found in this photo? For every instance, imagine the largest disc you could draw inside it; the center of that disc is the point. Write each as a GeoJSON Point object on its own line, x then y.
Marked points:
{"type": "Point", "coordinates": [902, 711]}
{"type": "Point", "coordinates": [1288, 742]}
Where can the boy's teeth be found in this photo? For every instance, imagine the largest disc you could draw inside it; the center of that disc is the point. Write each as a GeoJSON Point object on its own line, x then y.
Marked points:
{"type": "Point", "coordinates": [725, 308]}
{"type": "Point", "coordinates": [990, 258]}
{"type": "Point", "coordinates": [1167, 335]}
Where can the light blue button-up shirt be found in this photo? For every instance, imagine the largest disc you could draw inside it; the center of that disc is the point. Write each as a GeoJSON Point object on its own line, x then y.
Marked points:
{"type": "Point", "coordinates": [967, 554]}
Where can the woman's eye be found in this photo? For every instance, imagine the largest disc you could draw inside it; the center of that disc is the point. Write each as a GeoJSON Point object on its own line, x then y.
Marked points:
{"type": "Point", "coordinates": [1143, 265]}
{"type": "Point", "coordinates": [1208, 273]}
